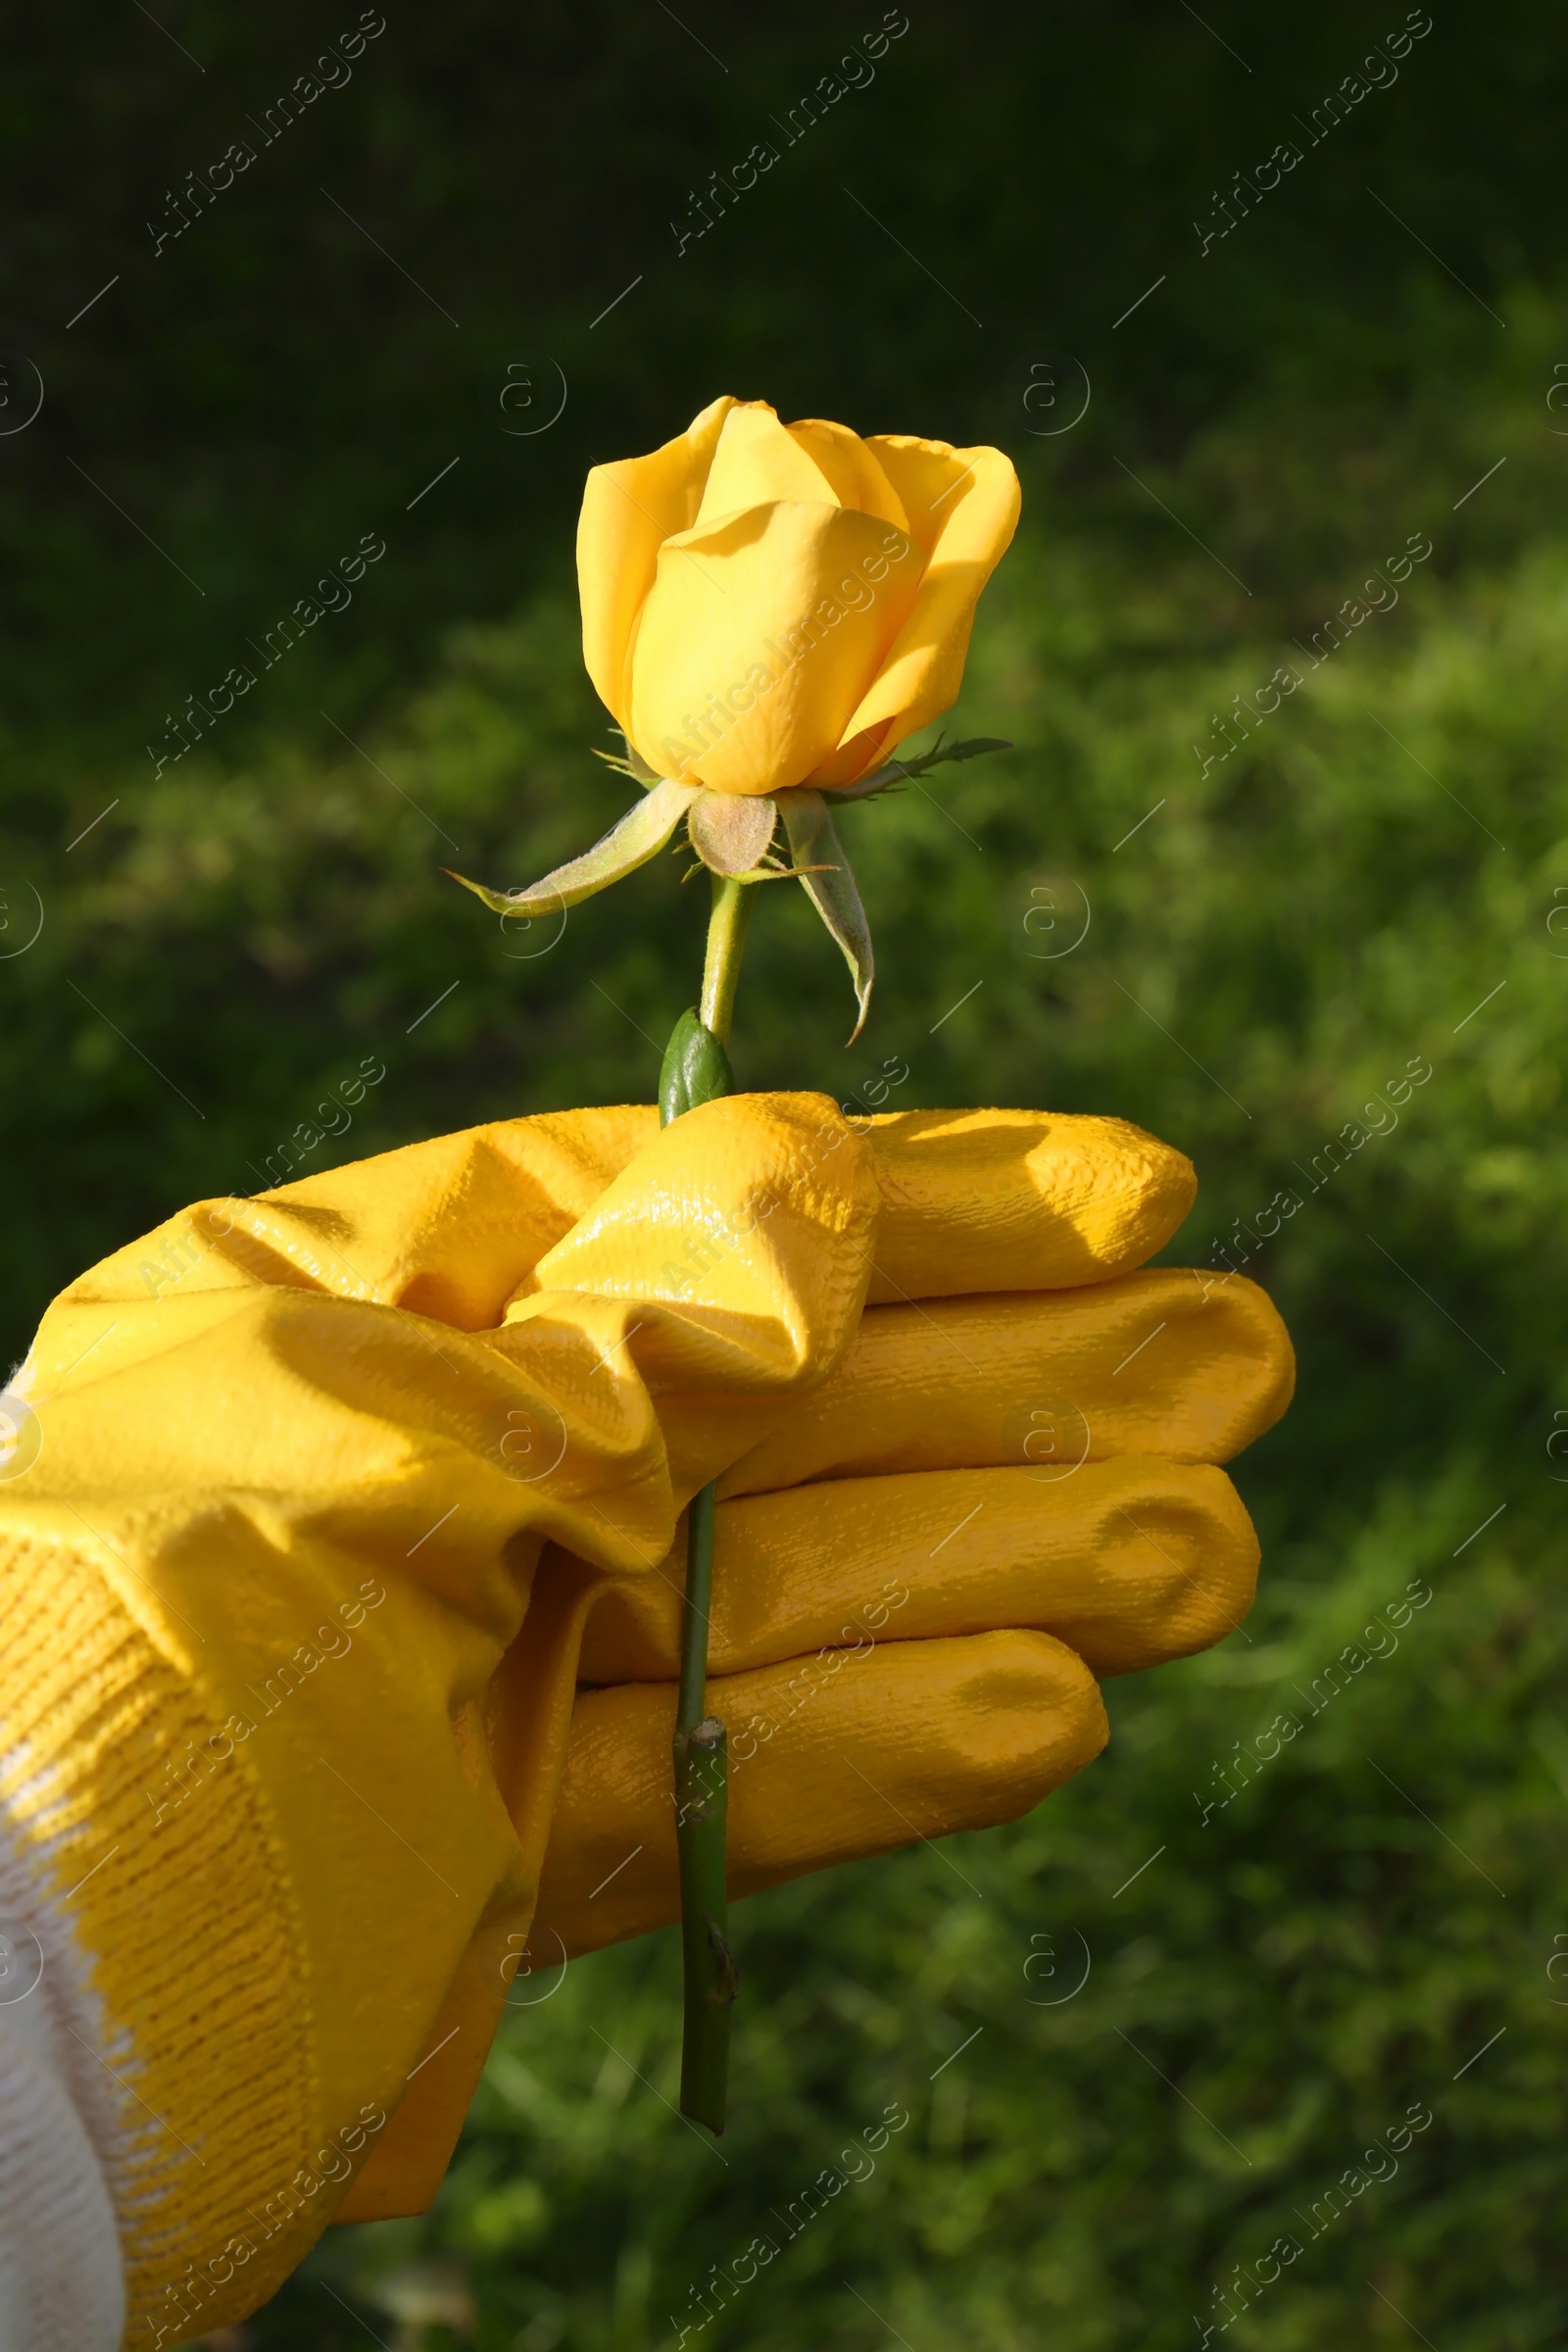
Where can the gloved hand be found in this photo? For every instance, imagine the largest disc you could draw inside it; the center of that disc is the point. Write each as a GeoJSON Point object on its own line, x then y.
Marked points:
{"type": "Point", "coordinates": [288, 1688]}
{"type": "Point", "coordinates": [919, 1576]}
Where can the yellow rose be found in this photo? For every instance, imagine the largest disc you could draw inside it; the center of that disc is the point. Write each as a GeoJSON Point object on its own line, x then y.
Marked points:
{"type": "Point", "coordinates": [769, 609]}
{"type": "Point", "coordinates": [768, 605]}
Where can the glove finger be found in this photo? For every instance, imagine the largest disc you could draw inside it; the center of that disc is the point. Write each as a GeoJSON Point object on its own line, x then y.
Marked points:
{"type": "Point", "coordinates": [451, 1227]}
{"type": "Point", "coordinates": [445, 1229]}
{"type": "Point", "coordinates": [1018, 1200]}
{"type": "Point", "coordinates": [1130, 1562]}
{"type": "Point", "coordinates": [602, 1404]}
{"type": "Point", "coordinates": [921, 1739]}
{"type": "Point", "coordinates": [754, 1211]}
{"type": "Point", "coordinates": [454, 1227]}
{"type": "Point", "coordinates": [735, 1251]}
{"type": "Point", "coordinates": [1188, 1366]}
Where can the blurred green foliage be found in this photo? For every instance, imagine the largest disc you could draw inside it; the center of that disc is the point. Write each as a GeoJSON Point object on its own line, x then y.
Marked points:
{"type": "Point", "coordinates": [1369, 879]}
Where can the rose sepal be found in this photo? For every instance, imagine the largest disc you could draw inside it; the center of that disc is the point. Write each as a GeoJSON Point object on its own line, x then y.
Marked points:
{"type": "Point", "coordinates": [893, 772]}
{"type": "Point", "coordinates": [818, 857]}
{"type": "Point", "coordinates": [630, 842]}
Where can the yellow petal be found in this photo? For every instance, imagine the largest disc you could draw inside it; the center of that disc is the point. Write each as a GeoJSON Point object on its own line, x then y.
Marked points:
{"type": "Point", "coordinates": [628, 511]}
{"type": "Point", "coordinates": [852, 468]}
{"type": "Point", "coordinates": [925, 472]}
{"type": "Point", "coordinates": [759, 461]}
{"type": "Point", "coordinates": [855, 757]}
{"type": "Point", "coordinates": [759, 637]}
{"type": "Point", "coordinates": [756, 461]}
{"type": "Point", "coordinates": [962, 505]}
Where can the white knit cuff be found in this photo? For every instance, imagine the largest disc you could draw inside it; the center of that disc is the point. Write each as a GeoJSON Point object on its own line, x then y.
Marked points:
{"type": "Point", "coordinates": [60, 2280]}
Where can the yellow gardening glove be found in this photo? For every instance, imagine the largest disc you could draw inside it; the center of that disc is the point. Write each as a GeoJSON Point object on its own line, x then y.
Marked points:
{"type": "Point", "coordinates": [921, 1572]}
{"type": "Point", "coordinates": [289, 1695]}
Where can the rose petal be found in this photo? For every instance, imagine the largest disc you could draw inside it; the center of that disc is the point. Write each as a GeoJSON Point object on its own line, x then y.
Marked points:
{"type": "Point", "coordinates": [628, 511]}
{"type": "Point", "coordinates": [964, 504]}
{"type": "Point", "coordinates": [855, 757]}
{"type": "Point", "coordinates": [759, 461]}
{"type": "Point", "coordinates": [851, 469]}
{"type": "Point", "coordinates": [747, 662]}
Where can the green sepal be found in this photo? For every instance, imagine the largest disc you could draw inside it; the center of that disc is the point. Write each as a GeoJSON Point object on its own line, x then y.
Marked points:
{"type": "Point", "coordinates": [696, 1069]}
{"type": "Point", "coordinates": [629, 764]}
{"type": "Point", "coordinates": [630, 842]}
{"type": "Point", "coordinates": [731, 831]}
{"type": "Point", "coordinates": [827, 880]}
{"type": "Point", "coordinates": [897, 771]}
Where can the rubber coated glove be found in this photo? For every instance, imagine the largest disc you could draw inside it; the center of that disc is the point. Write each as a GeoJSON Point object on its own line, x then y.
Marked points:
{"type": "Point", "coordinates": [289, 1700]}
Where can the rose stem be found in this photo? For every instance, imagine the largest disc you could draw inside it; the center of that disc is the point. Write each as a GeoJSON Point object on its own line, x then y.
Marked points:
{"type": "Point", "coordinates": [700, 1754]}
{"type": "Point", "coordinates": [721, 965]}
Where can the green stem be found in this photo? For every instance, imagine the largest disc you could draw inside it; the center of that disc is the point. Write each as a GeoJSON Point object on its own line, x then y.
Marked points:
{"type": "Point", "coordinates": [722, 966]}
{"type": "Point", "coordinates": [700, 1749]}
{"type": "Point", "coordinates": [702, 1802]}
{"type": "Point", "coordinates": [692, 1705]}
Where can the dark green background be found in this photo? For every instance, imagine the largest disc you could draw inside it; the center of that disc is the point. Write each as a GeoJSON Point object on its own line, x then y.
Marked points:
{"type": "Point", "coordinates": [1331, 902]}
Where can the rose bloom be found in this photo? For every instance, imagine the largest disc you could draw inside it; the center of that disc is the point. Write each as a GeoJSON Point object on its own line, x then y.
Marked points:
{"type": "Point", "coordinates": [768, 605]}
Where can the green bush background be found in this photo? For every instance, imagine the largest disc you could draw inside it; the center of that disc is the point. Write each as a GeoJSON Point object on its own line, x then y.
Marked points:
{"type": "Point", "coordinates": [1269, 948]}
